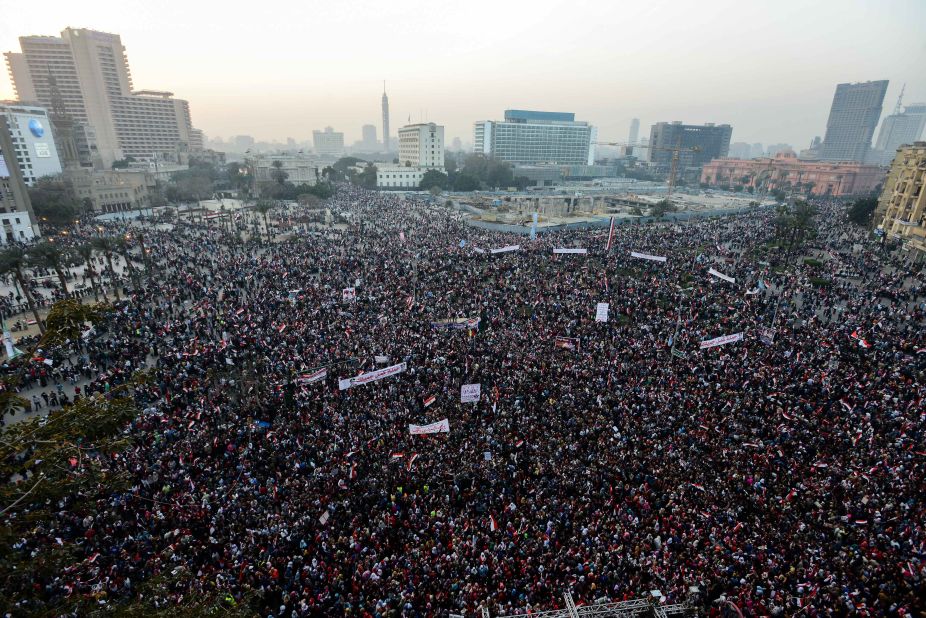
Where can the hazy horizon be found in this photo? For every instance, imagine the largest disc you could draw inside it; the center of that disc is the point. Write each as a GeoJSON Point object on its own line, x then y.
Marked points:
{"type": "Point", "coordinates": [768, 70]}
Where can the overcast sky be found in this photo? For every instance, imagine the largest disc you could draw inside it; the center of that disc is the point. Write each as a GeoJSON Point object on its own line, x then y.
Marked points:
{"type": "Point", "coordinates": [281, 69]}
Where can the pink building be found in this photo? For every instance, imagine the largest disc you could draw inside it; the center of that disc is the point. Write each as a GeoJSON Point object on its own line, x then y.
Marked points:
{"type": "Point", "coordinates": [788, 173]}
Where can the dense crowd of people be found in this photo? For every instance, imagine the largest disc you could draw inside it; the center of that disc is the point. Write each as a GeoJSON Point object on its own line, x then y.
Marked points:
{"type": "Point", "coordinates": [778, 474]}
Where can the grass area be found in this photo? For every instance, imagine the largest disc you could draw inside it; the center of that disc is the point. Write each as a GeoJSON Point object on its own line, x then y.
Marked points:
{"type": "Point", "coordinates": [819, 282]}
{"type": "Point", "coordinates": [814, 262]}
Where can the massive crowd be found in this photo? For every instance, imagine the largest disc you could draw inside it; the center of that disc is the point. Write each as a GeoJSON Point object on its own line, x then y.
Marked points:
{"type": "Point", "coordinates": [763, 478]}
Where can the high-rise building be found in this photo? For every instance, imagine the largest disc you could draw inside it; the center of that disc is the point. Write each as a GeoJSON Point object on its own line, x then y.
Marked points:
{"type": "Point", "coordinates": [17, 218]}
{"type": "Point", "coordinates": [421, 148]}
{"type": "Point", "coordinates": [90, 72]}
{"type": "Point", "coordinates": [328, 143]}
{"type": "Point", "coordinates": [528, 137]}
{"type": "Point", "coordinates": [385, 120]}
{"type": "Point", "coordinates": [775, 149]}
{"type": "Point", "coordinates": [901, 210]}
{"type": "Point", "coordinates": [697, 144]}
{"type": "Point", "coordinates": [854, 115]}
{"type": "Point", "coordinates": [368, 141]}
{"type": "Point", "coordinates": [740, 150]}
{"type": "Point", "coordinates": [33, 141]}
{"type": "Point", "coordinates": [456, 145]}
{"type": "Point", "coordinates": [243, 142]}
{"type": "Point", "coordinates": [756, 150]}
{"type": "Point", "coordinates": [899, 128]}
{"type": "Point", "coordinates": [634, 131]}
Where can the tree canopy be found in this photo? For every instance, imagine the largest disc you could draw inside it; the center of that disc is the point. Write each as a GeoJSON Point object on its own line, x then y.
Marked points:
{"type": "Point", "coordinates": [862, 211]}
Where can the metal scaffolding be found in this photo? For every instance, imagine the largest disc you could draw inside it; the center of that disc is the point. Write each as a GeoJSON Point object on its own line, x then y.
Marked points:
{"type": "Point", "coordinates": [619, 609]}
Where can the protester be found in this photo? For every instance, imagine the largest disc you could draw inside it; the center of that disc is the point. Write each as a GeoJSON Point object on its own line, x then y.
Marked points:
{"type": "Point", "coordinates": [778, 478]}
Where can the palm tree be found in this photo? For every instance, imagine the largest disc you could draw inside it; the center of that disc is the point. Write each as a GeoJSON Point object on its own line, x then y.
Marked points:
{"type": "Point", "coordinates": [48, 255]}
{"type": "Point", "coordinates": [123, 248]}
{"type": "Point", "coordinates": [85, 251]}
{"type": "Point", "coordinates": [263, 207]}
{"type": "Point", "coordinates": [13, 261]}
{"type": "Point", "coordinates": [144, 251]}
{"type": "Point", "coordinates": [107, 245]}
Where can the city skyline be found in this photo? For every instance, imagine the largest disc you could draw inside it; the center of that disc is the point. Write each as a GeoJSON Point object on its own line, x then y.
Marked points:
{"type": "Point", "coordinates": [225, 66]}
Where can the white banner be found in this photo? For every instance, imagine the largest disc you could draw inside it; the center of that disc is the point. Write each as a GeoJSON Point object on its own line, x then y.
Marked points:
{"type": "Point", "coordinates": [564, 250]}
{"type": "Point", "coordinates": [720, 275]}
{"type": "Point", "coordinates": [506, 249]}
{"type": "Point", "coordinates": [601, 312]}
{"type": "Point", "coordinates": [647, 256]}
{"type": "Point", "coordinates": [348, 294]}
{"type": "Point", "coordinates": [372, 376]}
{"type": "Point", "coordinates": [314, 376]}
{"type": "Point", "coordinates": [382, 360]}
{"type": "Point", "coordinates": [470, 393]}
{"type": "Point", "coordinates": [710, 343]}
{"type": "Point", "coordinates": [438, 427]}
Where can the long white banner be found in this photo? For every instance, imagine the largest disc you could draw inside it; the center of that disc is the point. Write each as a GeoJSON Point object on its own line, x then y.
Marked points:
{"type": "Point", "coordinates": [314, 376]}
{"type": "Point", "coordinates": [710, 343]}
{"type": "Point", "coordinates": [438, 427]}
{"type": "Point", "coordinates": [647, 256]}
{"type": "Point", "coordinates": [720, 275]}
{"type": "Point", "coordinates": [566, 250]}
{"type": "Point", "coordinates": [371, 376]}
{"type": "Point", "coordinates": [506, 249]}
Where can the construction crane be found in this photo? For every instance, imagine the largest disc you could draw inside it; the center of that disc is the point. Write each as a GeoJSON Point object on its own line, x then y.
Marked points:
{"type": "Point", "coordinates": [675, 156]}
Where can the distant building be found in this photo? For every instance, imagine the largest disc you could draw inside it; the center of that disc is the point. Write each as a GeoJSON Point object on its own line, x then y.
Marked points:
{"type": "Point", "coordinates": [328, 143]}
{"type": "Point", "coordinates": [698, 144]}
{"type": "Point", "coordinates": [456, 145]}
{"type": "Point", "coordinates": [300, 169]}
{"type": "Point", "coordinates": [368, 142]}
{"type": "Point", "coordinates": [33, 142]}
{"type": "Point", "coordinates": [634, 134]}
{"type": "Point", "coordinates": [531, 137]}
{"type": "Point", "coordinates": [740, 150]}
{"type": "Point", "coordinates": [112, 190]}
{"type": "Point", "coordinates": [812, 153]}
{"type": "Point", "coordinates": [853, 117]}
{"type": "Point", "coordinates": [243, 142]}
{"type": "Point", "coordinates": [756, 150]}
{"type": "Point", "coordinates": [90, 72]}
{"type": "Point", "coordinates": [385, 104]}
{"type": "Point", "coordinates": [902, 207]}
{"type": "Point", "coordinates": [16, 216]}
{"type": "Point", "coordinates": [788, 173]}
{"type": "Point", "coordinates": [898, 129]}
{"type": "Point", "coordinates": [776, 149]}
{"type": "Point", "coordinates": [421, 148]}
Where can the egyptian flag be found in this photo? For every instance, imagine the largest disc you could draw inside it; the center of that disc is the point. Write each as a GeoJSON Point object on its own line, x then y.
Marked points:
{"type": "Point", "coordinates": [519, 444]}
{"type": "Point", "coordinates": [411, 460]}
{"type": "Point", "coordinates": [281, 328]}
{"type": "Point", "coordinates": [493, 525]}
{"type": "Point", "coordinates": [353, 471]}
{"type": "Point", "coordinates": [429, 401]}
{"type": "Point", "coordinates": [610, 235]}
{"type": "Point", "coordinates": [396, 456]}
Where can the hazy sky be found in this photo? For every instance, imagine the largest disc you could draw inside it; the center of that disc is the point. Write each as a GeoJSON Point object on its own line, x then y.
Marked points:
{"type": "Point", "coordinates": [281, 69]}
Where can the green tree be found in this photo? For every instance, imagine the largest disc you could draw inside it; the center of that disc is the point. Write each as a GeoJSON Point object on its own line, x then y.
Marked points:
{"type": "Point", "coordinates": [660, 208]}
{"type": "Point", "coordinates": [367, 178]}
{"type": "Point", "coordinates": [862, 210]}
{"type": "Point", "coordinates": [85, 251]}
{"type": "Point", "coordinates": [107, 246]}
{"type": "Point", "coordinates": [465, 182]}
{"type": "Point", "coordinates": [53, 202]}
{"type": "Point", "coordinates": [278, 174]}
{"type": "Point", "coordinates": [13, 261]}
{"type": "Point", "coordinates": [124, 248]}
{"type": "Point", "coordinates": [434, 178]}
{"type": "Point", "coordinates": [264, 207]}
{"type": "Point", "coordinates": [53, 257]}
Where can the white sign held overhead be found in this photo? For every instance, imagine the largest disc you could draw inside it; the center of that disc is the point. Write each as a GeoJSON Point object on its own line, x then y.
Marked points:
{"type": "Point", "coordinates": [712, 343]}
{"type": "Point", "coordinates": [507, 248]}
{"type": "Point", "coordinates": [438, 427]}
{"type": "Point", "coordinates": [573, 251]}
{"type": "Point", "coordinates": [720, 275]}
{"type": "Point", "coordinates": [470, 393]}
{"type": "Point", "coordinates": [601, 312]}
{"type": "Point", "coordinates": [349, 294]}
{"type": "Point", "coordinates": [371, 376]}
{"type": "Point", "coordinates": [647, 256]}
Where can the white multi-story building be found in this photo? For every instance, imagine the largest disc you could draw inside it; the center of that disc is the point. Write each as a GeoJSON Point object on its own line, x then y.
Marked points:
{"type": "Point", "coordinates": [87, 72]}
{"type": "Point", "coordinates": [328, 143]}
{"type": "Point", "coordinates": [421, 148]}
{"type": "Point", "coordinates": [299, 169]}
{"type": "Point", "coordinates": [17, 218]}
{"type": "Point", "coordinates": [33, 142]}
{"type": "Point", "coordinates": [529, 137]}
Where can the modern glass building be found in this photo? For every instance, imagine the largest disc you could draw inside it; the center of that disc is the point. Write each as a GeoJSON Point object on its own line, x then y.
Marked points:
{"type": "Point", "coordinates": [853, 117]}
{"type": "Point", "coordinates": [527, 137]}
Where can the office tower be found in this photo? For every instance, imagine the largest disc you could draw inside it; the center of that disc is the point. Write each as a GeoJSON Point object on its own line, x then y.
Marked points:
{"type": "Point", "coordinates": [18, 221]}
{"type": "Point", "coordinates": [91, 73]}
{"type": "Point", "coordinates": [853, 117]}
{"type": "Point", "coordinates": [385, 120]}
{"type": "Point", "coordinates": [775, 149]}
{"type": "Point", "coordinates": [456, 145]}
{"type": "Point", "coordinates": [899, 128]}
{"type": "Point", "coordinates": [634, 131]}
{"type": "Point", "coordinates": [697, 144]}
{"type": "Point", "coordinates": [243, 142]}
{"type": "Point", "coordinates": [756, 150]}
{"type": "Point", "coordinates": [902, 207]}
{"type": "Point", "coordinates": [421, 148]}
{"type": "Point", "coordinates": [328, 143]}
{"type": "Point", "coordinates": [527, 137]}
{"type": "Point", "coordinates": [740, 150]}
{"type": "Point", "coordinates": [32, 140]}
{"type": "Point", "coordinates": [368, 137]}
